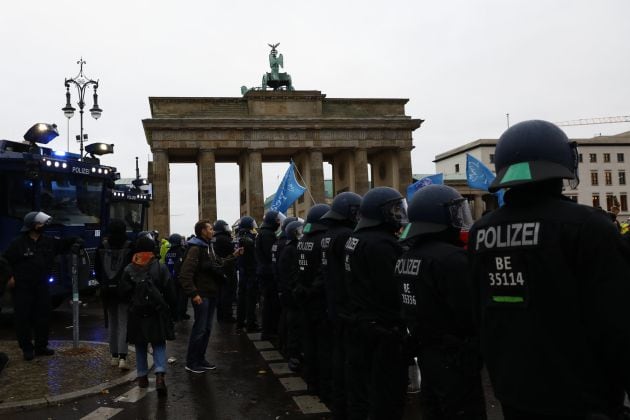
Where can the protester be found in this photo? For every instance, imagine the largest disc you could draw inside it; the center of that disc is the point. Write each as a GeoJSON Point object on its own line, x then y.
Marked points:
{"type": "Point", "coordinates": [113, 255]}
{"type": "Point", "coordinates": [147, 287]}
{"type": "Point", "coordinates": [200, 276]}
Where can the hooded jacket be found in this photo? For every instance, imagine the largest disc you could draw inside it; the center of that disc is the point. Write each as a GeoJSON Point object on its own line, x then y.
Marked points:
{"type": "Point", "coordinates": [202, 270]}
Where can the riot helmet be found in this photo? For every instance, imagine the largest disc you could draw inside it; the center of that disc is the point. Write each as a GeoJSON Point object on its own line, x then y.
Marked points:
{"type": "Point", "coordinates": [314, 216]}
{"type": "Point", "coordinates": [345, 207]}
{"type": "Point", "coordinates": [285, 222]}
{"type": "Point", "coordinates": [247, 223]}
{"type": "Point", "coordinates": [436, 208]}
{"type": "Point", "coordinates": [293, 230]}
{"type": "Point", "coordinates": [34, 218]}
{"type": "Point", "coordinates": [533, 151]}
{"type": "Point", "coordinates": [176, 239]}
{"type": "Point", "coordinates": [382, 206]}
{"type": "Point", "coordinates": [221, 226]}
{"type": "Point", "coordinates": [273, 219]}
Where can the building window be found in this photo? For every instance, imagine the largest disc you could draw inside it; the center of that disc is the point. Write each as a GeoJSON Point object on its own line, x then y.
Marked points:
{"type": "Point", "coordinates": [572, 197]}
{"type": "Point", "coordinates": [457, 168]}
{"type": "Point", "coordinates": [596, 200]}
{"type": "Point", "coordinates": [491, 158]}
{"type": "Point", "coordinates": [592, 157]}
{"type": "Point", "coordinates": [622, 177]}
{"type": "Point", "coordinates": [619, 157]}
{"type": "Point", "coordinates": [594, 179]}
{"type": "Point", "coordinates": [610, 201]}
{"type": "Point", "coordinates": [608, 177]}
{"type": "Point", "coordinates": [580, 158]}
{"type": "Point", "coordinates": [623, 198]}
{"type": "Point", "coordinates": [606, 157]}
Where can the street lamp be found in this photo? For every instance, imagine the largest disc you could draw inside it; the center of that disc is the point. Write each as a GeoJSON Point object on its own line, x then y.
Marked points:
{"type": "Point", "coordinates": [81, 82]}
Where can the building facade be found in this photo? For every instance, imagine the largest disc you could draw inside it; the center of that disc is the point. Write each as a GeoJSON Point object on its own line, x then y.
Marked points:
{"type": "Point", "coordinates": [604, 165]}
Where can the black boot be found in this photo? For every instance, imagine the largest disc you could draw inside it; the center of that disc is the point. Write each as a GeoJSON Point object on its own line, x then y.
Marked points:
{"type": "Point", "coordinates": [160, 384]}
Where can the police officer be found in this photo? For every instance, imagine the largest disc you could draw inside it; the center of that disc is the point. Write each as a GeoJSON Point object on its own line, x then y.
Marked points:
{"type": "Point", "coordinates": [276, 249]}
{"type": "Point", "coordinates": [377, 370]}
{"type": "Point", "coordinates": [552, 286]}
{"type": "Point", "coordinates": [437, 304]}
{"type": "Point", "coordinates": [31, 258]}
{"type": "Point", "coordinates": [341, 220]}
{"type": "Point", "coordinates": [287, 279]}
{"type": "Point", "coordinates": [173, 259]}
{"type": "Point", "coordinates": [310, 293]}
{"type": "Point", "coordinates": [224, 247]}
{"type": "Point", "coordinates": [264, 243]}
{"type": "Point", "coordinates": [247, 294]}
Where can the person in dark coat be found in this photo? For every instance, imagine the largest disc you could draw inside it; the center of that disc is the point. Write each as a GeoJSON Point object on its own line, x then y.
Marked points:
{"type": "Point", "coordinates": [265, 241]}
{"type": "Point", "coordinates": [31, 258]}
{"type": "Point", "coordinates": [112, 256]}
{"type": "Point", "coordinates": [173, 260]}
{"type": "Point", "coordinates": [148, 325]}
{"type": "Point", "coordinates": [223, 245]}
{"type": "Point", "coordinates": [247, 295]}
{"type": "Point", "coordinates": [201, 277]}
{"type": "Point", "coordinates": [552, 286]}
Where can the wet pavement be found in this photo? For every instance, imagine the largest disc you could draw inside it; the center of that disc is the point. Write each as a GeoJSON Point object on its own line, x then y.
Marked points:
{"type": "Point", "coordinates": [251, 380]}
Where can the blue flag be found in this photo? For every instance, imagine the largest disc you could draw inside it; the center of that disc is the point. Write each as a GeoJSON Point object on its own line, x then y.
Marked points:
{"type": "Point", "coordinates": [480, 176]}
{"type": "Point", "coordinates": [288, 191]}
{"type": "Point", "coordinates": [427, 180]}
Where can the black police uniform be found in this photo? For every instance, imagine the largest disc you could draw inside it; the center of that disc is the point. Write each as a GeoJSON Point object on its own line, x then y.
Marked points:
{"type": "Point", "coordinates": [333, 243]}
{"type": "Point", "coordinates": [310, 294]}
{"type": "Point", "coordinates": [224, 247]}
{"type": "Point", "coordinates": [287, 280]}
{"type": "Point", "coordinates": [247, 285]}
{"type": "Point", "coordinates": [276, 249]}
{"type": "Point", "coordinates": [553, 281]}
{"type": "Point", "coordinates": [271, 303]}
{"type": "Point", "coordinates": [31, 264]}
{"type": "Point", "coordinates": [438, 312]}
{"type": "Point", "coordinates": [377, 371]}
{"type": "Point", "coordinates": [173, 260]}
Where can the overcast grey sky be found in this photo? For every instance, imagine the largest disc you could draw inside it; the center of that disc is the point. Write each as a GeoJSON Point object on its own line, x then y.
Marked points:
{"type": "Point", "coordinates": [463, 65]}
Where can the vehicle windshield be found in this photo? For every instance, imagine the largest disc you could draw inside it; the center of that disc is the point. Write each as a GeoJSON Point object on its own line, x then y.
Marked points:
{"type": "Point", "coordinates": [130, 212]}
{"type": "Point", "coordinates": [71, 200]}
{"type": "Point", "coordinates": [18, 192]}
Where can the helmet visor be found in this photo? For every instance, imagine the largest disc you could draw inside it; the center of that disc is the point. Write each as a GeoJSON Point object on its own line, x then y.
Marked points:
{"type": "Point", "coordinates": [396, 211]}
{"type": "Point", "coordinates": [459, 212]}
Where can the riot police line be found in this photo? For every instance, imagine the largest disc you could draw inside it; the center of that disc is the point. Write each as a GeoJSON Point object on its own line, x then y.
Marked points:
{"type": "Point", "coordinates": [358, 291]}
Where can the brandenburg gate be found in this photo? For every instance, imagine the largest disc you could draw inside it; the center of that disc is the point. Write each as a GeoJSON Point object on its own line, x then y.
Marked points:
{"type": "Point", "coordinates": [276, 126]}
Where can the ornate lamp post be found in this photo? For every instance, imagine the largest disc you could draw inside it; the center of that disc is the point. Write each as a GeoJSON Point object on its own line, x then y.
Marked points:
{"type": "Point", "coordinates": [81, 82]}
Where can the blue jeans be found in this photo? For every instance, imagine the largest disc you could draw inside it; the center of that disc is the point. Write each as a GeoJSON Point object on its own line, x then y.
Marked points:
{"type": "Point", "coordinates": [200, 333]}
{"type": "Point", "coordinates": [159, 358]}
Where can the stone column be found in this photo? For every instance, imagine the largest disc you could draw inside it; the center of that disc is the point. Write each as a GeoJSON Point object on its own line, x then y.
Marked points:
{"type": "Point", "coordinates": [316, 178]}
{"type": "Point", "coordinates": [207, 185]}
{"type": "Point", "coordinates": [255, 196]}
{"type": "Point", "coordinates": [343, 172]}
{"type": "Point", "coordinates": [478, 204]}
{"type": "Point", "coordinates": [404, 171]}
{"type": "Point", "coordinates": [161, 209]}
{"type": "Point", "coordinates": [361, 171]}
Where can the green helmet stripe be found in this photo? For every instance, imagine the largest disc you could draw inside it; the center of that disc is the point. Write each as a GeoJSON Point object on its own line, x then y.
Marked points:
{"type": "Point", "coordinates": [517, 172]}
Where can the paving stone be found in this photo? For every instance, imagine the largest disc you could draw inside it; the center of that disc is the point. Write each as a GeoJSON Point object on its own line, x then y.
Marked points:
{"type": "Point", "coordinates": [263, 345]}
{"type": "Point", "coordinates": [293, 384]}
{"type": "Point", "coordinates": [271, 355]}
{"type": "Point", "coordinates": [310, 404]}
{"type": "Point", "coordinates": [280, 368]}
{"type": "Point", "coordinates": [65, 372]}
{"type": "Point", "coordinates": [102, 413]}
{"type": "Point", "coordinates": [254, 336]}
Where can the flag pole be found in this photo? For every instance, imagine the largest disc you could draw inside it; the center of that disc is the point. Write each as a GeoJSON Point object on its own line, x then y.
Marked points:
{"type": "Point", "coordinates": [305, 185]}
